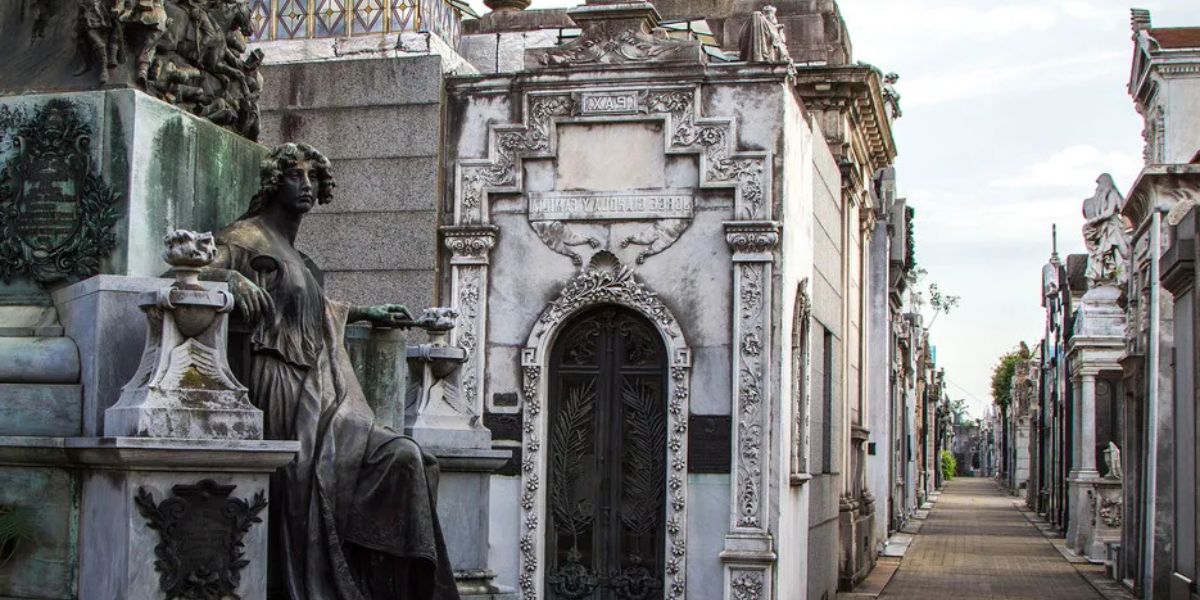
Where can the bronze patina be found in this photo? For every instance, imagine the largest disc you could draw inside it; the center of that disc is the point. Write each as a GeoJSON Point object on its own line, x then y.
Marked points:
{"type": "Point", "coordinates": [353, 517]}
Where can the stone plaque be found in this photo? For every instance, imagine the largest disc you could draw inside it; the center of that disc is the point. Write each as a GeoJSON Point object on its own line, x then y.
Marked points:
{"type": "Point", "coordinates": [610, 206]}
{"type": "Point", "coordinates": [56, 214]}
{"type": "Point", "coordinates": [608, 103]}
{"type": "Point", "coordinates": [200, 530]}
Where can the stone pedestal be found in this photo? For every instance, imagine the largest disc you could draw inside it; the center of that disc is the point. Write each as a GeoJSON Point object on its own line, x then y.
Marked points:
{"type": "Point", "coordinates": [1107, 514]}
{"type": "Point", "coordinates": [443, 418]}
{"type": "Point", "coordinates": [1095, 347]}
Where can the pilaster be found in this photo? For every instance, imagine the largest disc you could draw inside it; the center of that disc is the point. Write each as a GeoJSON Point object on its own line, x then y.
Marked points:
{"type": "Point", "coordinates": [749, 547]}
{"type": "Point", "coordinates": [470, 249]}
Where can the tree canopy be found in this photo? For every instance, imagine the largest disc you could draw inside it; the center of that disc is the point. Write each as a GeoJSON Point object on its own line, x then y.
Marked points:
{"type": "Point", "coordinates": [1002, 374]}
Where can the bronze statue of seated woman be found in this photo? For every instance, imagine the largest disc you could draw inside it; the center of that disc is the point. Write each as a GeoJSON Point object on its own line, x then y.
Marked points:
{"type": "Point", "coordinates": [354, 516]}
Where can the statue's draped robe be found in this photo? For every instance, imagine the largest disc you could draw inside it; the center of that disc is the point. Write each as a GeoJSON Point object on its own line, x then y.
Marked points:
{"type": "Point", "coordinates": [353, 517]}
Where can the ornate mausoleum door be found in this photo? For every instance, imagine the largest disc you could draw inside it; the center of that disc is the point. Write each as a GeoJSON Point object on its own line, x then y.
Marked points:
{"type": "Point", "coordinates": [607, 454]}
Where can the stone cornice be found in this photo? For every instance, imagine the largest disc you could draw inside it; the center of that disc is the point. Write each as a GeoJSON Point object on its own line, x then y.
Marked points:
{"type": "Point", "coordinates": [1161, 185]}
{"type": "Point", "coordinates": [856, 90]}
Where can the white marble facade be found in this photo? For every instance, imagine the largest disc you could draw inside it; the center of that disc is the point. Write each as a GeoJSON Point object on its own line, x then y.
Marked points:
{"type": "Point", "coordinates": [688, 203]}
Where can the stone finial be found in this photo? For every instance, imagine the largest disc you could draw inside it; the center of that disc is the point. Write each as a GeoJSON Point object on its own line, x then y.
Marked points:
{"type": "Point", "coordinates": [507, 5]}
{"type": "Point", "coordinates": [184, 387]}
{"type": "Point", "coordinates": [1139, 19]}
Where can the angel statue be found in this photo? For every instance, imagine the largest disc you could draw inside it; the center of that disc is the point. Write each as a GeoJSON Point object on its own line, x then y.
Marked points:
{"type": "Point", "coordinates": [1106, 236]}
{"type": "Point", "coordinates": [353, 516]}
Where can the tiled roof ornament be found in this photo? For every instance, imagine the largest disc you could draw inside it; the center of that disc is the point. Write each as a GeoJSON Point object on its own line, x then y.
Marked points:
{"type": "Point", "coordinates": [1139, 19]}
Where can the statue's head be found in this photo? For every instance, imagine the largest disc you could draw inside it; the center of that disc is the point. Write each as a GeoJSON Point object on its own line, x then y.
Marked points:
{"type": "Point", "coordinates": [1105, 182]}
{"type": "Point", "coordinates": [296, 175]}
{"type": "Point", "coordinates": [891, 78]}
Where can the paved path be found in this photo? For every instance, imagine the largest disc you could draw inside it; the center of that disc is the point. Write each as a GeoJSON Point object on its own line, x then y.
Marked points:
{"type": "Point", "coordinates": [976, 544]}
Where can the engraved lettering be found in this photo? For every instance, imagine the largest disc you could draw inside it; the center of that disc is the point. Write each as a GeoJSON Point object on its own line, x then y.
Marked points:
{"type": "Point", "coordinates": [610, 206]}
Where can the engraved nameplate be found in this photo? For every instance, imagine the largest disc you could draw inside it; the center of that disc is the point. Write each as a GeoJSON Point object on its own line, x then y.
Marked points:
{"type": "Point", "coordinates": [610, 206]}
{"type": "Point", "coordinates": [608, 103]}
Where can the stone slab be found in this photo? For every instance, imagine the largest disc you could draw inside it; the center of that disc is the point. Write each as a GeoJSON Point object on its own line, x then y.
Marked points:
{"type": "Point", "coordinates": [45, 564]}
{"type": "Point", "coordinates": [379, 82]}
{"type": "Point", "coordinates": [53, 360]}
{"type": "Point", "coordinates": [170, 169]}
{"type": "Point", "coordinates": [40, 409]}
{"type": "Point", "coordinates": [391, 241]}
{"type": "Point", "coordinates": [118, 546]}
{"type": "Point", "coordinates": [384, 184]}
{"type": "Point", "coordinates": [101, 315]}
{"type": "Point", "coordinates": [366, 132]}
{"type": "Point", "coordinates": [411, 288]}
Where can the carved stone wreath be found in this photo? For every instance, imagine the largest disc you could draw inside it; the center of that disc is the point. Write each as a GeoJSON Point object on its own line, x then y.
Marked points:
{"type": "Point", "coordinates": [200, 554]}
{"type": "Point", "coordinates": [57, 214]}
{"type": "Point", "coordinates": [604, 284]}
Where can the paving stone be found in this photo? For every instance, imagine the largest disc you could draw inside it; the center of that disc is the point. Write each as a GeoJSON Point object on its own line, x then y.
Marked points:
{"type": "Point", "coordinates": [976, 545]}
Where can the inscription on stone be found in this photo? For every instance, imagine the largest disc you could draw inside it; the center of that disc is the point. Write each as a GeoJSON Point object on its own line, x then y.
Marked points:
{"type": "Point", "coordinates": [610, 206]}
{"type": "Point", "coordinates": [609, 103]}
{"type": "Point", "coordinates": [200, 529]}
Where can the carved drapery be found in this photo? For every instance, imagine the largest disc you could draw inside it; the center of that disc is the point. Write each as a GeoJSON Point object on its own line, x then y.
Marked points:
{"type": "Point", "coordinates": [596, 286]}
{"type": "Point", "coordinates": [470, 248]}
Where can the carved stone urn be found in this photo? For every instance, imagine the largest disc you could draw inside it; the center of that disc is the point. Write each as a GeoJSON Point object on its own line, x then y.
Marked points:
{"type": "Point", "coordinates": [183, 387]}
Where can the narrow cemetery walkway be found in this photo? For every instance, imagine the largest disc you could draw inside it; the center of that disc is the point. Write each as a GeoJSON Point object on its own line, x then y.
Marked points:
{"type": "Point", "coordinates": [976, 544]}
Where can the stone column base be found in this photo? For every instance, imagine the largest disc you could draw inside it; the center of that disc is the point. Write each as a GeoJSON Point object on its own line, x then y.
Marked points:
{"type": "Point", "coordinates": [153, 510]}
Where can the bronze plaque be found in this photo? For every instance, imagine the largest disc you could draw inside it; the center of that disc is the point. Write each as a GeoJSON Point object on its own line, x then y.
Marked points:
{"type": "Point", "coordinates": [200, 553]}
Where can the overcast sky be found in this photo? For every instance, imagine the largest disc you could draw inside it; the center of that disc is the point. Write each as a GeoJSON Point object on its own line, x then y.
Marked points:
{"type": "Point", "coordinates": [1011, 110]}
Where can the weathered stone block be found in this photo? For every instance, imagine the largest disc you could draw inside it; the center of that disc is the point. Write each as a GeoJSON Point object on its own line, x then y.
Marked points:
{"type": "Point", "coordinates": [366, 132]}
{"type": "Point", "coordinates": [375, 82]}
{"type": "Point", "coordinates": [40, 409]}
{"type": "Point", "coordinates": [45, 563]}
{"type": "Point", "coordinates": [384, 184]}
{"type": "Point", "coordinates": [410, 288]}
{"type": "Point", "coordinates": [370, 241]}
{"type": "Point", "coordinates": [168, 169]}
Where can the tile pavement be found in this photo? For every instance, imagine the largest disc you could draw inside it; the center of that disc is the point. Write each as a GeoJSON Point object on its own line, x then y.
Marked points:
{"type": "Point", "coordinates": [976, 545]}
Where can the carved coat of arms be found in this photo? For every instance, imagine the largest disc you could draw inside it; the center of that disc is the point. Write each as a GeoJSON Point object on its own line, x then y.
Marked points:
{"type": "Point", "coordinates": [56, 213]}
{"type": "Point", "coordinates": [200, 556]}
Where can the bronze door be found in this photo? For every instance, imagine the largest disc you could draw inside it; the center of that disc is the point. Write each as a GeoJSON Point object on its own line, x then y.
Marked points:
{"type": "Point", "coordinates": [607, 453]}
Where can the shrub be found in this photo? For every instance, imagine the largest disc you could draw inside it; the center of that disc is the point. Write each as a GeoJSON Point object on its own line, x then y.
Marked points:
{"type": "Point", "coordinates": [949, 465]}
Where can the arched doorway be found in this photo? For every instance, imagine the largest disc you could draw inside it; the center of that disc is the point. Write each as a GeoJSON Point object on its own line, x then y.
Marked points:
{"type": "Point", "coordinates": [607, 402]}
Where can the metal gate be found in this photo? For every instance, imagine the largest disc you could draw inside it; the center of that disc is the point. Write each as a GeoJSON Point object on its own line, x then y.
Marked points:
{"type": "Point", "coordinates": [607, 453]}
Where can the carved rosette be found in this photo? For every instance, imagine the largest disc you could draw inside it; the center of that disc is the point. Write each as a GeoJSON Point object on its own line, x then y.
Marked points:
{"type": "Point", "coordinates": [747, 584]}
{"type": "Point", "coordinates": [722, 165]}
{"type": "Point", "coordinates": [614, 285]}
{"type": "Point", "coordinates": [470, 248]}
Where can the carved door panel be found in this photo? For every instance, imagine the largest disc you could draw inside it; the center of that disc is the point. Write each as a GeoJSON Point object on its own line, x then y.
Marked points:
{"type": "Point", "coordinates": [607, 454]}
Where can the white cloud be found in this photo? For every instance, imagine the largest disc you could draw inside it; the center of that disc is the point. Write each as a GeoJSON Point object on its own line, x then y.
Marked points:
{"type": "Point", "coordinates": [1074, 167]}
{"type": "Point", "coordinates": [1005, 76]}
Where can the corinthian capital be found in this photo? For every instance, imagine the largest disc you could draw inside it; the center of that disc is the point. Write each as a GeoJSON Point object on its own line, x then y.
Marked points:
{"type": "Point", "coordinates": [470, 243]}
{"type": "Point", "coordinates": [753, 240]}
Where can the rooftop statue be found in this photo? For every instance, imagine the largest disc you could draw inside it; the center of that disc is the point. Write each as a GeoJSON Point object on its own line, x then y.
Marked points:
{"type": "Point", "coordinates": [354, 515]}
{"type": "Point", "coordinates": [1106, 236]}
{"type": "Point", "coordinates": [764, 39]}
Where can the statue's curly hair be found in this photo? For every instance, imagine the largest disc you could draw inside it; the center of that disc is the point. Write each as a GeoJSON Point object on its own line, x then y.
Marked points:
{"type": "Point", "coordinates": [278, 161]}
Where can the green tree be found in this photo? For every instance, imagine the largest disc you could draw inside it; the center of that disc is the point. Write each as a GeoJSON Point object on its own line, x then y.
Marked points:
{"type": "Point", "coordinates": [1002, 375]}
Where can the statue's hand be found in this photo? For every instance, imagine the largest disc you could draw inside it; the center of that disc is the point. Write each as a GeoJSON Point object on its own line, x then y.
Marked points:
{"type": "Point", "coordinates": [252, 301]}
{"type": "Point", "coordinates": [386, 315]}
